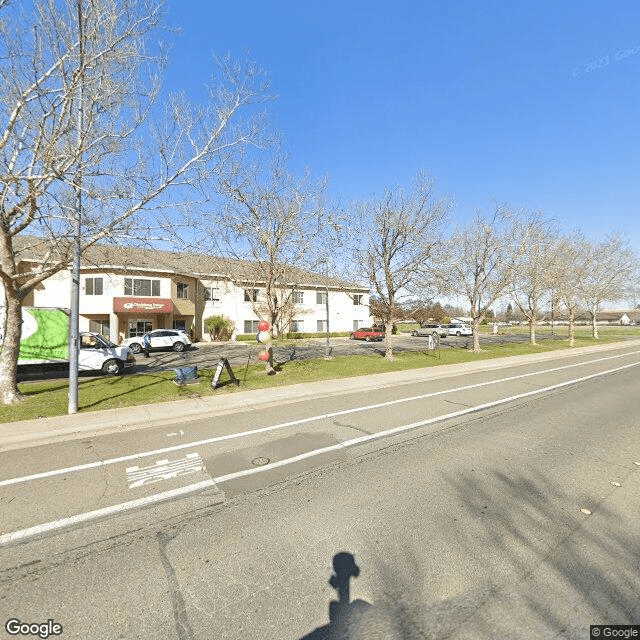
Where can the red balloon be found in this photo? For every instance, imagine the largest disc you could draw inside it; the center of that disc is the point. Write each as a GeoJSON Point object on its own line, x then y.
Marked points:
{"type": "Point", "coordinates": [263, 355]}
{"type": "Point", "coordinates": [263, 325]}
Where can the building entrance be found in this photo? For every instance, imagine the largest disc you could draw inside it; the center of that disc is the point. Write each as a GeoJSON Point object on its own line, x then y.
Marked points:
{"type": "Point", "coordinates": [139, 327]}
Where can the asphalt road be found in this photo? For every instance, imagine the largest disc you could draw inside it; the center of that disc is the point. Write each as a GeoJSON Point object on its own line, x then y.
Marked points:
{"type": "Point", "coordinates": [465, 522]}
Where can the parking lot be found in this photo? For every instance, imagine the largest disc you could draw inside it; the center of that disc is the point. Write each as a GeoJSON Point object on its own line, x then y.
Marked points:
{"type": "Point", "coordinates": [205, 355]}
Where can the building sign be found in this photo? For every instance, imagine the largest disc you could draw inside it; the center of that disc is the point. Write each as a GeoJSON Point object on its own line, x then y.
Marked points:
{"type": "Point", "coordinates": [148, 305]}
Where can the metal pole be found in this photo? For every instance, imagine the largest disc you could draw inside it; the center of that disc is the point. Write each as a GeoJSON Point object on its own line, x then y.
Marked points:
{"type": "Point", "coordinates": [74, 321]}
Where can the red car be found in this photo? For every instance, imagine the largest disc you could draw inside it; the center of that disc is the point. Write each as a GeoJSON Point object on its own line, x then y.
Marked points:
{"type": "Point", "coordinates": [367, 333]}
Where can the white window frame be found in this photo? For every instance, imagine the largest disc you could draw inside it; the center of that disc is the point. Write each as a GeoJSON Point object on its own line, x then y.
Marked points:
{"type": "Point", "coordinates": [251, 295]}
{"type": "Point", "coordinates": [90, 289]}
{"type": "Point", "coordinates": [212, 294]}
{"type": "Point", "coordinates": [154, 284]}
{"type": "Point", "coordinates": [253, 327]}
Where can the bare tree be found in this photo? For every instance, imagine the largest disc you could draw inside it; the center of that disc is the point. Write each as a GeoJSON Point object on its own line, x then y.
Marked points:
{"type": "Point", "coordinates": [569, 265]}
{"type": "Point", "coordinates": [481, 262]}
{"type": "Point", "coordinates": [278, 229]}
{"type": "Point", "coordinates": [611, 265]}
{"type": "Point", "coordinates": [396, 239]}
{"type": "Point", "coordinates": [532, 275]}
{"type": "Point", "coordinates": [96, 56]}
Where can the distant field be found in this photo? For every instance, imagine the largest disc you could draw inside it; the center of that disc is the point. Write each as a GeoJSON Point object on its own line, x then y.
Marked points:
{"type": "Point", "coordinates": [580, 330]}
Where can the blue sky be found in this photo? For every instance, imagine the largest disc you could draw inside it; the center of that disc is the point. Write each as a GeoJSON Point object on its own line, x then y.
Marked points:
{"type": "Point", "coordinates": [534, 103]}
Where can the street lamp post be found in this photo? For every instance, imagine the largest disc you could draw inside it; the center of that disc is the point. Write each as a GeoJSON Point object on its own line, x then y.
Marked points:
{"type": "Point", "coordinates": [74, 320]}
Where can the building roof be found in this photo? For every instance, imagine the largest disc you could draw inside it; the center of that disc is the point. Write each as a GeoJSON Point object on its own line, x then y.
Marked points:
{"type": "Point", "coordinates": [129, 258]}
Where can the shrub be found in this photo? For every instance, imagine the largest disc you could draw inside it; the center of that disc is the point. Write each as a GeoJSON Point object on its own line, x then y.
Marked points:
{"type": "Point", "coordinates": [219, 327]}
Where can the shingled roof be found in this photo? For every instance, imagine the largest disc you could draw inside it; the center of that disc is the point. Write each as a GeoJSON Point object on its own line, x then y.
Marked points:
{"type": "Point", "coordinates": [109, 256]}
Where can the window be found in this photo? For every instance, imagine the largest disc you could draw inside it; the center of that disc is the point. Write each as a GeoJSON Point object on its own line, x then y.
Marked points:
{"type": "Point", "coordinates": [99, 326]}
{"type": "Point", "coordinates": [89, 342]}
{"type": "Point", "coordinates": [141, 287]}
{"type": "Point", "coordinates": [251, 326]}
{"type": "Point", "coordinates": [182, 290]}
{"type": "Point", "coordinates": [322, 326]}
{"type": "Point", "coordinates": [357, 299]}
{"type": "Point", "coordinates": [93, 286]}
{"type": "Point", "coordinates": [296, 326]}
{"type": "Point", "coordinates": [212, 294]}
{"type": "Point", "coordinates": [250, 295]}
{"type": "Point", "coordinates": [321, 297]}
{"type": "Point", "coordinates": [357, 324]}
{"type": "Point", "coordinates": [297, 297]}
{"type": "Point", "coordinates": [179, 324]}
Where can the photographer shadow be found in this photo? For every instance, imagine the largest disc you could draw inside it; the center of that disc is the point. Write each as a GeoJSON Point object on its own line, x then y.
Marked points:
{"type": "Point", "coordinates": [346, 619]}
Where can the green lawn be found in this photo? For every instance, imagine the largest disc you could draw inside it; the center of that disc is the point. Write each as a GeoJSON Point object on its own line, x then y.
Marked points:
{"type": "Point", "coordinates": [49, 398]}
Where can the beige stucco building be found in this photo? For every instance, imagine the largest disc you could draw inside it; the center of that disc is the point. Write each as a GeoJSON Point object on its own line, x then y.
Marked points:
{"type": "Point", "coordinates": [127, 291]}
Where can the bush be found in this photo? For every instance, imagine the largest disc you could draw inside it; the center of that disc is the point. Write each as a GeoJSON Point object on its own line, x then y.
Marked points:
{"type": "Point", "coordinates": [219, 328]}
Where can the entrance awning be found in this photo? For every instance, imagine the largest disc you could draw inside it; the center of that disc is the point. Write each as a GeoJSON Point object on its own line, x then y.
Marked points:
{"type": "Point", "coordinates": [142, 305]}
{"type": "Point", "coordinates": [183, 307]}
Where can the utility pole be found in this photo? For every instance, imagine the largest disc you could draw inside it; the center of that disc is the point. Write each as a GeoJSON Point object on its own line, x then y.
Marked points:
{"type": "Point", "coordinates": [74, 321]}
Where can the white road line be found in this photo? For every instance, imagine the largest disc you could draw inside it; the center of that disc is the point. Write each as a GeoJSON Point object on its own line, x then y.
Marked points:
{"type": "Point", "coordinates": [282, 425]}
{"type": "Point", "coordinates": [167, 495]}
{"type": "Point", "coordinates": [414, 425]}
{"type": "Point", "coordinates": [106, 511]}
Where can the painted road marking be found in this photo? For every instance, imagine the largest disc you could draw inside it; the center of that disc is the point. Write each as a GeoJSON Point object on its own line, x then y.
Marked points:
{"type": "Point", "coordinates": [282, 425]}
{"type": "Point", "coordinates": [167, 495]}
{"type": "Point", "coordinates": [164, 470]}
{"type": "Point", "coordinates": [106, 511]}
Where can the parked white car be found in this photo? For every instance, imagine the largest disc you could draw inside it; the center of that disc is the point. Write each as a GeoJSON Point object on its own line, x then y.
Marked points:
{"type": "Point", "coordinates": [160, 339]}
{"type": "Point", "coordinates": [457, 329]}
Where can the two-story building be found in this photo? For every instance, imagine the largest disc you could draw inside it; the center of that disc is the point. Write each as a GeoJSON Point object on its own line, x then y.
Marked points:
{"type": "Point", "coordinates": [126, 291]}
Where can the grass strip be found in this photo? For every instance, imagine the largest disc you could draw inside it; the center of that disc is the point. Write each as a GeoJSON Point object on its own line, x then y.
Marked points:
{"type": "Point", "coordinates": [50, 398]}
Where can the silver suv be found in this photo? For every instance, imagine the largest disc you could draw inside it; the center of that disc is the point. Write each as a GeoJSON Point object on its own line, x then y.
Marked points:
{"type": "Point", "coordinates": [429, 329]}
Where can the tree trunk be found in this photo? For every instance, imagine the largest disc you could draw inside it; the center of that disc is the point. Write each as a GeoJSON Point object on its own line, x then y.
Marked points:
{"type": "Point", "coordinates": [594, 326]}
{"type": "Point", "coordinates": [572, 338]}
{"type": "Point", "coordinates": [388, 331]}
{"type": "Point", "coordinates": [269, 370]}
{"type": "Point", "coordinates": [532, 331]}
{"type": "Point", "coordinates": [11, 348]}
{"type": "Point", "coordinates": [476, 335]}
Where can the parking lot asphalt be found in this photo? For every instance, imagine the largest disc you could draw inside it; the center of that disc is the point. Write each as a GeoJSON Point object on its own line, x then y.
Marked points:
{"type": "Point", "coordinates": [205, 355]}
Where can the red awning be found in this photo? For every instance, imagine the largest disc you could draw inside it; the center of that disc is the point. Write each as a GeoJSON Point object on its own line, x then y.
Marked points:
{"type": "Point", "coordinates": [142, 305]}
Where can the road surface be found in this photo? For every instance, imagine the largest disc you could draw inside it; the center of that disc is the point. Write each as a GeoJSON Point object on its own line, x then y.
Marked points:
{"type": "Point", "coordinates": [495, 504]}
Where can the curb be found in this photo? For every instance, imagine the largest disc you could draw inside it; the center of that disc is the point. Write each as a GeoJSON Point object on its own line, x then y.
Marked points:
{"type": "Point", "coordinates": [30, 433]}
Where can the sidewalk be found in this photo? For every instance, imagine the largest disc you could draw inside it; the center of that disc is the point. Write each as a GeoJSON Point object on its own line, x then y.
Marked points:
{"type": "Point", "coordinates": [29, 433]}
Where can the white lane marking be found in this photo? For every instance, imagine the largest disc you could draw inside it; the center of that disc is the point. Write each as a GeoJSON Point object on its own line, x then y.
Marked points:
{"type": "Point", "coordinates": [282, 425]}
{"type": "Point", "coordinates": [175, 433]}
{"type": "Point", "coordinates": [164, 470]}
{"type": "Point", "coordinates": [414, 425]}
{"type": "Point", "coordinates": [167, 495]}
{"type": "Point", "coordinates": [106, 511]}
